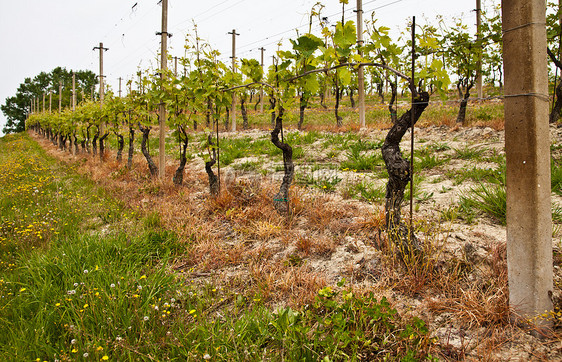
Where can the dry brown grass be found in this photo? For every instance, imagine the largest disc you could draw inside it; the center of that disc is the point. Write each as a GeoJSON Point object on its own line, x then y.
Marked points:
{"type": "Point", "coordinates": [481, 300]}
{"type": "Point", "coordinates": [497, 124]}
{"type": "Point", "coordinates": [240, 242]}
{"type": "Point", "coordinates": [296, 285]}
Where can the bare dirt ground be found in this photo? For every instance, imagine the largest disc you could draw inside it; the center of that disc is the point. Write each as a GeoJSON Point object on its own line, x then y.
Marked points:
{"type": "Point", "coordinates": [239, 241]}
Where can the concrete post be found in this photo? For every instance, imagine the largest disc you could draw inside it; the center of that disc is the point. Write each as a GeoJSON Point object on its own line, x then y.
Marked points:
{"type": "Point", "coordinates": [529, 220]}
{"type": "Point", "coordinates": [73, 91]}
{"type": "Point", "coordinates": [261, 88]}
{"type": "Point", "coordinates": [233, 110]}
{"type": "Point", "coordinates": [360, 71]}
{"type": "Point", "coordinates": [102, 87]}
{"type": "Point", "coordinates": [60, 96]}
{"type": "Point", "coordinates": [479, 37]}
{"type": "Point", "coordinates": [164, 67]}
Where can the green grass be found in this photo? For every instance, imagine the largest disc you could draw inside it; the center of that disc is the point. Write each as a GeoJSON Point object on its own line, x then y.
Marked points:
{"type": "Point", "coordinates": [556, 176]}
{"type": "Point", "coordinates": [326, 183]}
{"type": "Point", "coordinates": [247, 166]}
{"type": "Point", "coordinates": [468, 153]}
{"type": "Point", "coordinates": [429, 161]}
{"type": "Point", "coordinates": [477, 174]}
{"type": "Point", "coordinates": [491, 199]}
{"type": "Point", "coordinates": [69, 291]}
{"type": "Point", "coordinates": [363, 156]}
{"type": "Point", "coordinates": [366, 191]}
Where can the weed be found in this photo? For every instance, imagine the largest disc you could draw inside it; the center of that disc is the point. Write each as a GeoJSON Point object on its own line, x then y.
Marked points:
{"type": "Point", "coordinates": [556, 176]}
{"type": "Point", "coordinates": [429, 161]}
{"type": "Point", "coordinates": [468, 153]}
{"type": "Point", "coordinates": [325, 182]}
{"type": "Point", "coordinates": [366, 191]}
{"type": "Point", "coordinates": [490, 199]}
{"type": "Point", "coordinates": [247, 166]}
{"type": "Point", "coordinates": [233, 148]}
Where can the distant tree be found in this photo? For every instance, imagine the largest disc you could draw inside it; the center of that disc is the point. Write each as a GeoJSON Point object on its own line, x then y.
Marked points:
{"type": "Point", "coordinates": [16, 107]}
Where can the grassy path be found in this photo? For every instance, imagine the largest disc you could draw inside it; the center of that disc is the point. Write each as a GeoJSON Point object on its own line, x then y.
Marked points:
{"type": "Point", "coordinates": [84, 278]}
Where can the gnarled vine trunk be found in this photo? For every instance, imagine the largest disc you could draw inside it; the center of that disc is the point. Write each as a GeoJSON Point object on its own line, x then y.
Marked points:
{"type": "Point", "coordinates": [257, 102]}
{"type": "Point", "coordinates": [323, 99]}
{"type": "Point", "coordinates": [120, 146]}
{"type": "Point", "coordinates": [182, 138]}
{"type": "Point", "coordinates": [131, 147]}
{"type": "Point", "coordinates": [380, 88]}
{"type": "Point", "coordinates": [393, 95]}
{"type": "Point", "coordinates": [272, 103]}
{"type": "Point", "coordinates": [95, 143]}
{"type": "Point", "coordinates": [76, 149]}
{"type": "Point", "coordinates": [302, 107]}
{"type": "Point", "coordinates": [336, 108]}
{"type": "Point", "coordinates": [281, 198]}
{"type": "Point", "coordinates": [244, 112]}
{"type": "Point", "coordinates": [102, 146]}
{"type": "Point", "coordinates": [87, 139]}
{"type": "Point", "coordinates": [467, 86]}
{"type": "Point", "coordinates": [145, 150]}
{"type": "Point", "coordinates": [399, 175]}
{"type": "Point", "coordinates": [213, 179]}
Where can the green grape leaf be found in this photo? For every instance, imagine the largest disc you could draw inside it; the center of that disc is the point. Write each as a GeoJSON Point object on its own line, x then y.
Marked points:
{"type": "Point", "coordinates": [307, 44]}
{"type": "Point", "coordinates": [344, 76]}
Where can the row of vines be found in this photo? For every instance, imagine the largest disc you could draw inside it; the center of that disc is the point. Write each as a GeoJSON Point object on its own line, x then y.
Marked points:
{"type": "Point", "coordinates": [199, 97]}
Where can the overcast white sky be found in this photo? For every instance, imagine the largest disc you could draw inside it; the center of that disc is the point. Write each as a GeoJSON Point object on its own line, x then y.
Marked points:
{"type": "Point", "coordinates": [39, 35]}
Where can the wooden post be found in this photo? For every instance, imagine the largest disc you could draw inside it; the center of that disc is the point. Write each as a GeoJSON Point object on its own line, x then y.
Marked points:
{"type": "Point", "coordinates": [527, 145]}
{"type": "Point", "coordinates": [360, 70]}
{"type": "Point", "coordinates": [43, 102]}
{"type": "Point", "coordinates": [164, 67]}
{"type": "Point", "coordinates": [120, 87]}
{"type": "Point", "coordinates": [50, 101]}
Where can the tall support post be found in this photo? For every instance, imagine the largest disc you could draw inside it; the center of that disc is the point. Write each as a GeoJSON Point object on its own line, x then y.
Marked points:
{"type": "Point", "coordinates": [233, 110]}
{"type": "Point", "coordinates": [102, 87]}
{"type": "Point", "coordinates": [529, 219]}
{"type": "Point", "coordinates": [43, 102]}
{"type": "Point", "coordinates": [50, 101]}
{"type": "Point", "coordinates": [360, 70]}
{"type": "Point", "coordinates": [261, 88]}
{"type": "Point", "coordinates": [164, 67]}
{"type": "Point", "coordinates": [412, 117]}
{"type": "Point", "coordinates": [175, 66]}
{"type": "Point", "coordinates": [120, 86]}
{"type": "Point", "coordinates": [480, 48]}
{"type": "Point", "coordinates": [60, 96]}
{"type": "Point", "coordinates": [31, 111]}
{"type": "Point", "coordinates": [73, 91]}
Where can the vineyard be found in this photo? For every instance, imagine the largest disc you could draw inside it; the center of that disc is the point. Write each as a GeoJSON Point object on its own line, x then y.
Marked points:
{"type": "Point", "coordinates": [298, 233]}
